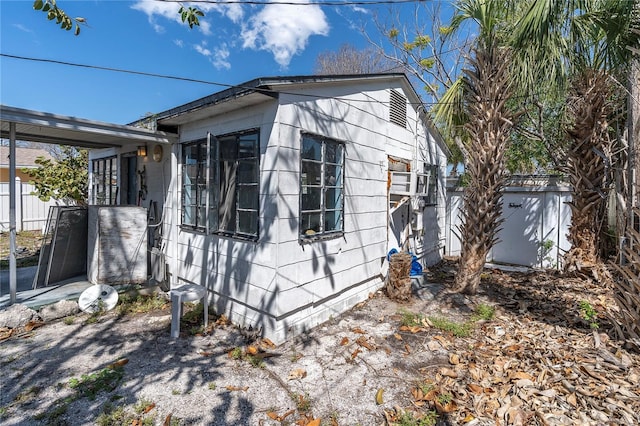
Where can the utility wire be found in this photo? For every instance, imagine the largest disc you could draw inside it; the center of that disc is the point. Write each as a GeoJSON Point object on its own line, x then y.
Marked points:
{"type": "Point", "coordinates": [212, 83]}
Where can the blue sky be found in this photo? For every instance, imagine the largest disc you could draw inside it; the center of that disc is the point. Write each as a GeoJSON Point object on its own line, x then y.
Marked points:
{"type": "Point", "coordinates": [235, 43]}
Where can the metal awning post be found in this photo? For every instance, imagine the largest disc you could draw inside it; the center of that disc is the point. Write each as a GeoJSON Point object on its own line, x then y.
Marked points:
{"type": "Point", "coordinates": [12, 213]}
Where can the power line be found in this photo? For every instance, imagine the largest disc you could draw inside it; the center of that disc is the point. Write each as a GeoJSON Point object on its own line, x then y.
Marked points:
{"type": "Point", "coordinates": [211, 83]}
{"type": "Point", "coordinates": [293, 3]}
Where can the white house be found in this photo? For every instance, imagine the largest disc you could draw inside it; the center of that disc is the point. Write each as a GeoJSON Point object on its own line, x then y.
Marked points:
{"type": "Point", "coordinates": [282, 196]}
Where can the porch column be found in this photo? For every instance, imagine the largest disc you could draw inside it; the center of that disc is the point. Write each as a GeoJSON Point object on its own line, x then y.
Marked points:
{"type": "Point", "coordinates": [12, 213]}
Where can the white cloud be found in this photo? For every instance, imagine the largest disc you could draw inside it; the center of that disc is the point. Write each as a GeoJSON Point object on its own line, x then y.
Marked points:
{"type": "Point", "coordinates": [284, 30]}
{"type": "Point", "coordinates": [219, 57]}
{"type": "Point", "coordinates": [169, 10]}
{"type": "Point", "coordinates": [202, 49]}
{"type": "Point", "coordinates": [23, 28]}
{"type": "Point", "coordinates": [178, 43]}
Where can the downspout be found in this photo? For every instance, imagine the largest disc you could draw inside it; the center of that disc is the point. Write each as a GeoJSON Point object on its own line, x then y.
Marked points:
{"type": "Point", "coordinates": [12, 213]}
{"type": "Point", "coordinates": [174, 210]}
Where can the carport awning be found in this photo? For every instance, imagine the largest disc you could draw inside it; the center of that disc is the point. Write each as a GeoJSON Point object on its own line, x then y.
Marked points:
{"type": "Point", "coordinates": [36, 126]}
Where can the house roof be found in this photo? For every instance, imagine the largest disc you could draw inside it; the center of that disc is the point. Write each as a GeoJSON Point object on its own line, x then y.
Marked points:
{"type": "Point", "coordinates": [25, 157]}
{"type": "Point", "coordinates": [36, 126]}
{"type": "Point", "coordinates": [263, 89]}
{"type": "Point", "coordinates": [266, 88]}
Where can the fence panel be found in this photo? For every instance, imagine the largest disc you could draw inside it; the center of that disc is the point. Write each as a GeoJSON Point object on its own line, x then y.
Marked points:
{"type": "Point", "coordinates": [31, 212]}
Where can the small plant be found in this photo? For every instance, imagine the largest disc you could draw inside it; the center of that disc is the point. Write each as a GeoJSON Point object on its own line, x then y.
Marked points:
{"type": "Point", "coordinates": [105, 380]}
{"type": "Point", "coordinates": [68, 320]}
{"type": "Point", "coordinates": [410, 319]}
{"type": "Point", "coordinates": [212, 386]}
{"type": "Point", "coordinates": [175, 392]}
{"type": "Point", "coordinates": [3, 412]}
{"type": "Point", "coordinates": [427, 387]}
{"type": "Point", "coordinates": [255, 361]}
{"type": "Point", "coordinates": [444, 398]}
{"type": "Point", "coordinates": [116, 416]}
{"type": "Point", "coordinates": [457, 329]}
{"type": "Point", "coordinates": [589, 314]}
{"type": "Point", "coordinates": [303, 404]}
{"type": "Point", "coordinates": [483, 312]}
{"type": "Point", "coordinates": [408, 418]}
{"type": "Point", "coordinates": [235, 353]}
{"type": "Point", "coordinates": [27, 395]}
{"type": "Point", "coordinates": [140, 304]}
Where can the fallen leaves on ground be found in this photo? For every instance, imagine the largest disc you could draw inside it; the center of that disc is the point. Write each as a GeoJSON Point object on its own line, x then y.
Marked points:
{"type": "Point", "coordinates": [537, 362]}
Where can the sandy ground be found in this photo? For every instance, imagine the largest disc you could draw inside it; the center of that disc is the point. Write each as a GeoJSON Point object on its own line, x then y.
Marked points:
{"type": "Point", "coordinates": [332, 375]}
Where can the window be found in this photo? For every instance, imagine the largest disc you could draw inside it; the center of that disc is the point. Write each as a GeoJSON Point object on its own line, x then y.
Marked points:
{"type": "Point", "coordinates": [322, 186]}
{"type": "Point", "coordinates": [398, 109]}
{"type": "Point", "coordinates": [220, 191]}
{"type": "Point", "coordinates": [105, 181]}
{"type": "Point", "coordinates": [428, 184]}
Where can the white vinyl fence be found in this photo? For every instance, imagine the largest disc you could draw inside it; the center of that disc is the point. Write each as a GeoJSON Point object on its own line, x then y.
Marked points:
{"type": "Point", "coordinates": [31, 212]}
{"type": "Point", "coordinates": [536, 222]}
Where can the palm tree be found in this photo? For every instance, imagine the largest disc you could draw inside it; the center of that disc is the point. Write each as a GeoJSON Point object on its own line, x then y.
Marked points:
{"type": "Point", "coordinates": [580, 45]}
{"type": "Point", "coordinates": [477, 107]}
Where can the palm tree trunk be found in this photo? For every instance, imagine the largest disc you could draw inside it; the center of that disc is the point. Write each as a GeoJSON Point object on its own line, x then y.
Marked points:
{"type": "Point", "coordinates": [587, 156]}
{"type": "Point", "coordinates": [488, 88]}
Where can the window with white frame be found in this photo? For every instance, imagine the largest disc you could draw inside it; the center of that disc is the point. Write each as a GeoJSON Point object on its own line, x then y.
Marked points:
{"type": "Point", "coordinates": [427, 185]}
{"type": "Point", "coordinates": [104, 181]}
{"type": "Point", "coordinates": [322, 186]}
{"type": "Point", "coordinates": [220, 191]}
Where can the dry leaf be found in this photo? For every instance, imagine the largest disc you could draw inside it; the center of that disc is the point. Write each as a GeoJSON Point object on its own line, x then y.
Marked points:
{"type": "Point", "coordinates": [119, 363]}
{"type": "Point", "coordinates": [358, 330]}
{"type": "Point", "coordinates": [362, 341]}
{"type": "Point", "coordinates": [267, 343]}
{"type": "Point", "coordinates": [478, 390]}
{"type": "Point", "coordinates": [236, 388]}
{"type": "Point", "coordinates": [355, 353]}
{"type": "Point", "coordinates": [448, 372]}
{"type": "Point", "coordinates": [297, 373]}
{"type": "Point", "coordinates": [454, 358]}
{"type": "Point", "coordinates": [344, 341]}
{"type": "Point", "coordinates": [167, 420]}
{"type": "Point", "coordinates": [314, 422]}
{"type": "Point", "coordinates": [397, 336]}
{"type": "Point", "coordinates": [32, 325]}
{"type": "Point", "coordinates": [149, 407]}
{"type": "Point", "coordinates": [521, 375]}
{"type": "Point", "coordinates": [379, 396]}
{"type": "Point", "coordinates": [252, 350]}
{"type": "Point", "coordinates": [273, 416]}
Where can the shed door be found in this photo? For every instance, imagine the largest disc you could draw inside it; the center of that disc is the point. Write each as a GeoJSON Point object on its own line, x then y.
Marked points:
{"type": "Point", "coordinates": [520, 237]}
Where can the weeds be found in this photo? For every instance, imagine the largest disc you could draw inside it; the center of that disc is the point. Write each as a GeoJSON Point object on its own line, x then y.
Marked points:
{"type": "Point", "coordinates": [455, 328]}
{"type": "Point", "coordinates": [483, 312]}
{"type": "Point", "coordinates": [589, 314]}
{"type": "Point", "coordinates": [140, 304]}
{"type": "Point", "coordinates": [303, 403]}
{"type": "Point", "coordinates": [410, 319]}
{"type": "Point", "coordinates": [407, 418]}
{"type": "Point", "coordinates": [122, 415]}
{"type": "Point", "coordinates": [89, 385]}
{"type": "Point", "coordinates": [240, 355]}
{"type": "Point", "coordinates": [212, 386]}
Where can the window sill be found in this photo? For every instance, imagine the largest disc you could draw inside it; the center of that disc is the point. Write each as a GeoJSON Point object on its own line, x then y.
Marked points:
{"type": "Point", "coordinates": [202, 231]}
{"type": "Point", "coordinates": [304, 239]}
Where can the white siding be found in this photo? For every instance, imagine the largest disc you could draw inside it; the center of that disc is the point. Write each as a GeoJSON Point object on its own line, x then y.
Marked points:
{"type": "Point", "coordinates": [279, 282]}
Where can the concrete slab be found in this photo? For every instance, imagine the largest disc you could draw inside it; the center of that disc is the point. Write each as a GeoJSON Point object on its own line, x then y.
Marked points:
{"type": "Point", "coordinates": [68, 290]}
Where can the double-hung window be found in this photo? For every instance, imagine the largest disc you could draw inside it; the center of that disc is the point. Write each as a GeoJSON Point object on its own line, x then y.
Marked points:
{"type": "Point", "coordinates": [322, 186]}
{"type": "Point", "coordinates": [220, 191]}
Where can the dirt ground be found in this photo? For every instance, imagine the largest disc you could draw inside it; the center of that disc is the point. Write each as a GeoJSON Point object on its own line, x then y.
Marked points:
{"type": "Point", "coordinates": [537, 361]}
